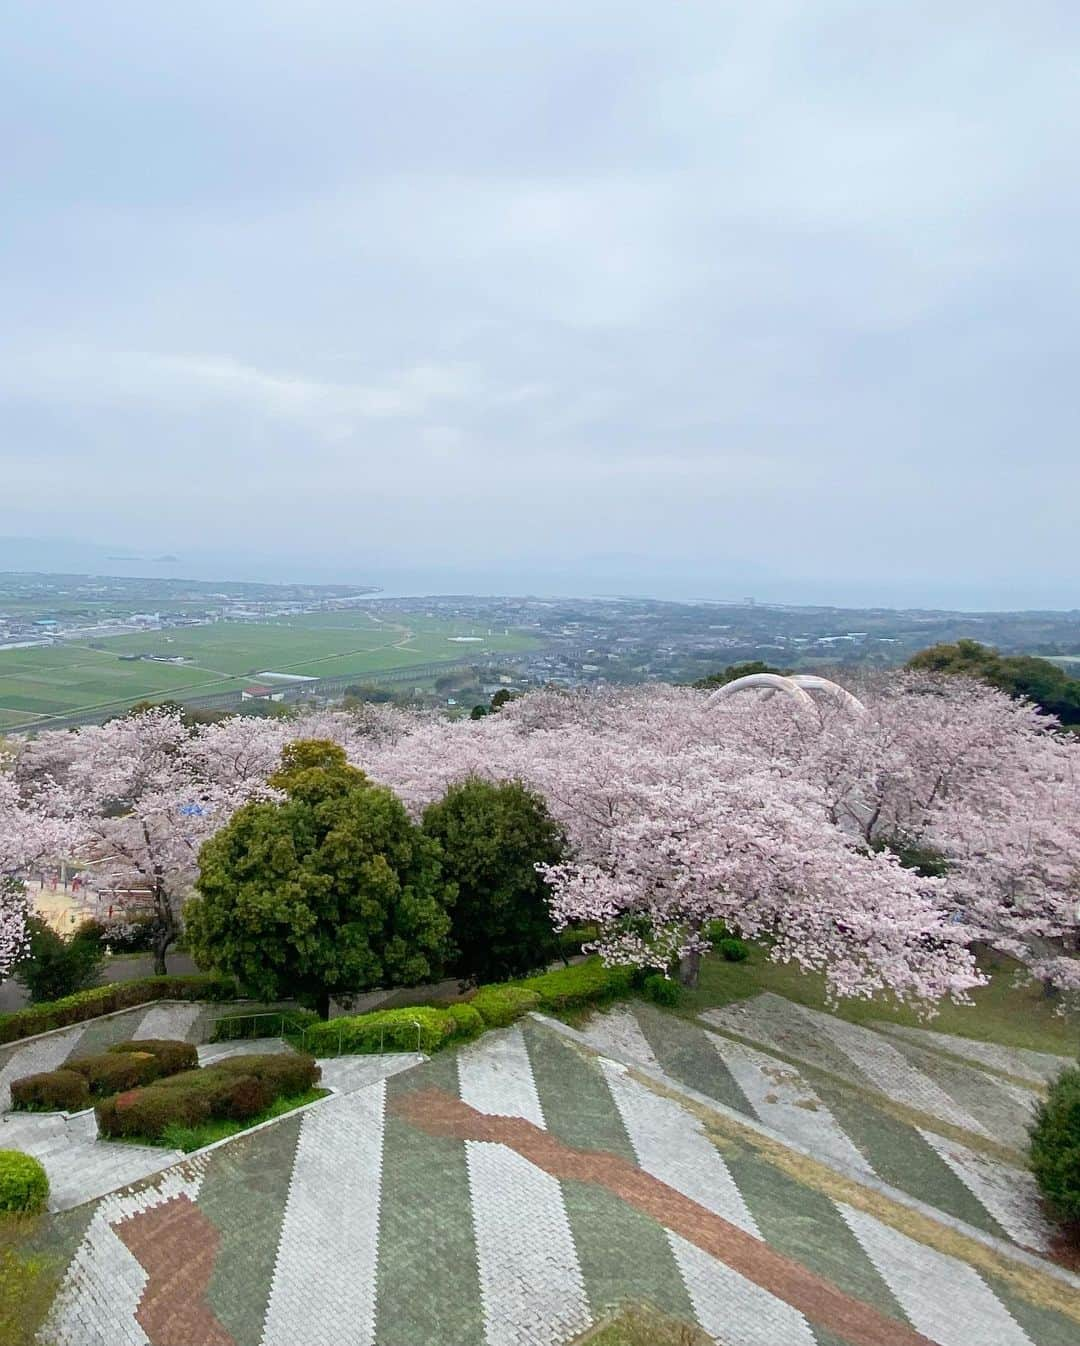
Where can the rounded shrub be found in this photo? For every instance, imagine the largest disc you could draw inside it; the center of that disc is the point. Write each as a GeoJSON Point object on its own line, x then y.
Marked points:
{"type": "Point", "coordinates": [171, 1054]}
{"type": "Point", "coordinates": [147, 1112]}
{"type": "Point", "coordinates": [237, 1089]}
{"type": "Point", "coordinates": [467, 1018]}
{"type": "Point", "coordinates": [1055, 1147]}
{"type": "Point", "coordinates": [285, 1072]}
{"type": "Point", "coordinates": [51, 1090]}
{"type": "Point", "coordinates": [113, 1073]}
{"type": "Point", "coordinates": [24, 1184]}
{"type": "Point", "coordinates": [734, 950]}
{"type": "Point", "coordinates": [244, 1096]}
{"type": "Point", "coordinates": [662, 990]}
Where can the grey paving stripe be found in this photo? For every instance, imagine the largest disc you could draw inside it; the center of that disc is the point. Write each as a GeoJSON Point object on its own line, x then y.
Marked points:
{"type": "Point", "coordinates": [769, 1020]}
{"type": "Point", "coordinates": [530, 1279]}
{"type": "Point", "coordinates": [782, 1099]}
{"type": "Point", "coordinates": [104, 1282]}
{"type": "Point", "coordinates": [888, 1069]}
{"type": "Point", "coordinates": [323, 1287]}
{"type": "Point", "coordinates": [671, 1145]}
{"type": "Point", "coordinates": [617, 1030]}
{"type": "Point", "coordinates": [244, 1190]}
{"type": "Point", "coordinates": [348, 1073]}
{"type": "Point", "coordinates": [495, 1076]}
{"type": "Point", "coordinates": [101, 1034]}
{"type": "Point", "coordinates": [1002, 1109]}
{"type": "Point", "coordinates": [942, 1297]}
{"type": "Point", "coordinates": [1022, 1062]}
{"type": "Point", "coordinates": [428, 1281]}
{"type": "Point", "coordinates": [1044, 1326]}
{"type": "Point", "coordinates": [167, 1021]}
{"type": "Point", "coordinates": [734, 1310]}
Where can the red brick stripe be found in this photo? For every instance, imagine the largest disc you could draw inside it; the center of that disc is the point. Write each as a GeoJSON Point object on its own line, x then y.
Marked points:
{"type": "Point", "coordinates": [177, 1246]}
{"type": "Point", "coordinates": [437, 1113]}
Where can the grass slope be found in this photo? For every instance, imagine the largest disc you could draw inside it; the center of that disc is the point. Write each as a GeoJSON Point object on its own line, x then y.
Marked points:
{"type": "Point", "coordinates": [1002, 1011]}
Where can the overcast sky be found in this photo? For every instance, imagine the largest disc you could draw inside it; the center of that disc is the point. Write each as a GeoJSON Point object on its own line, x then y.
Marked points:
{"type": "Point", "coordinates": [694, 299]}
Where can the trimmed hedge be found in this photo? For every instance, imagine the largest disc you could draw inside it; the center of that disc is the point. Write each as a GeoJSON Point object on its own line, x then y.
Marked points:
{"type": "Point", "coordinates": [171, 1054]}
{"type": "Point", "coordinates": [236, 1089]}
{"type": "Point", "coordinates": [501, 1005]}
{"type": "Point", "coordinates": [583, 984]}
{"type": "Point", "coordinates": [74, 1009]}
{"type": "Point", "coordinates": [734, 950]}
{"type": "Point", "coordinates": [383, 1030]}
{"type": "Point", "coordinates": [286, 1072]}
{"type": "Point", "coordinates": [468, 1019]}
{"type": "Point", "coordinates": [112, 1074]}
{"type": "Point", "coordinates": [51, 1090]}
{"type": "Point", "coordinates": [1055, 1146]}
{"type": "Point", "coordinates": [24, 1184]}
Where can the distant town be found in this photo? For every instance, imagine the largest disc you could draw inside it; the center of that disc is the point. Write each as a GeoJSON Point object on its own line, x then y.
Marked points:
{"type": "Point", "coordinates": [75, 648]}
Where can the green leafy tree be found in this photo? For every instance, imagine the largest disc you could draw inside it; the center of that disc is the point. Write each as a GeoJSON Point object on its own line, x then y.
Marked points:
{"type": "Point", "coordinates": [493, 835]}
{"type": "Point", "coordinates": [1055, 1147]}
{"type": "Point", "coordinates": [1038, 680]}
{"type": "Point", "coordinates": [733, 671]}
{"type": "Point", "coordinates": [330, 891]}
{"type": "Point", "coordinates": [55, 966]}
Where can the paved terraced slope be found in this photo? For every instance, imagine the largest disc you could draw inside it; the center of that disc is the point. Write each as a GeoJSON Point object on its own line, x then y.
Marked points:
{"type": "Point", "coordinates": [507, 1195]}
{"type": "Point", "coordinates": [898, 1124]}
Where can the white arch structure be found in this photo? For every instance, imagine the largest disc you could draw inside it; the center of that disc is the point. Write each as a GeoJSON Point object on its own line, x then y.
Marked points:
{"type": "Point", "coordinates": [798, 687]}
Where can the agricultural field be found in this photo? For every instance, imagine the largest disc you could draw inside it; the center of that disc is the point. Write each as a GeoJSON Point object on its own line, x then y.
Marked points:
{"type": "Point", "coordinates": [222, 656]}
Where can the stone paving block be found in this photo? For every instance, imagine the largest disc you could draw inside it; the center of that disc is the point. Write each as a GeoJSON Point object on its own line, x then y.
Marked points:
{"type": "Point", "coordinates": [943, 1297]}
{"type": "Point", "coordinates": [1035, 1067]}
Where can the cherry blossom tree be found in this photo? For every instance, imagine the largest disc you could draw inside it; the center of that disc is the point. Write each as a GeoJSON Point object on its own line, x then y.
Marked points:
{"type": "Point", "coordinates": [783, 819]}
{"type": "Point", "coordinates": [955, 767]}
{"type": "Point", "coordinates": [134, 799]}
{"type": "Point", "coordinates": [137, 797]}
{"type": "Point", "coordinates": [677, 817]}
{"type": "Point", "coordinates": [28, 832]}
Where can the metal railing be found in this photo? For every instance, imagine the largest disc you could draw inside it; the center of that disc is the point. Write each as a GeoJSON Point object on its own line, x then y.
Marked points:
{"type": "Point", "coordinates": [382, 1039]}
{"type": "Point", "coordinates": [234, 1021]}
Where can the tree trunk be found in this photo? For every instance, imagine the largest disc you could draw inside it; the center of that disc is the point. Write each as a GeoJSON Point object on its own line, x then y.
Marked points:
{"type": "Point", "coordinates": [322, 1004]}
{"type": "Point", "coordinates": [689, 968]}
{"type": "Point", "coordinates": [164, 940]}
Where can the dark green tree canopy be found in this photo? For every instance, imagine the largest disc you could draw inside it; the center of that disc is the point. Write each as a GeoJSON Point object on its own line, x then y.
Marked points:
{"type": "Point", "coordinates": [1038, 680]}
{"type": "Point", "coordinates": [331, 891]}
{"type": "Point", "coordinates": [492, 837]}
{"type": "Point", "coordinates": [732, 672]}
{"type": "Point", "coordinates": [54, 966]}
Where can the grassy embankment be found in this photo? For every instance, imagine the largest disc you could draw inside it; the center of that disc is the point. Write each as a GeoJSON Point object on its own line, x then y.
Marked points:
{"type": "Point", "coordinates": [1003, 1011]}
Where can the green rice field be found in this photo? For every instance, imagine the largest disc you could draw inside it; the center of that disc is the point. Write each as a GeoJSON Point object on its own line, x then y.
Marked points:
{"type": "Point", "coordinates": [223, 656]}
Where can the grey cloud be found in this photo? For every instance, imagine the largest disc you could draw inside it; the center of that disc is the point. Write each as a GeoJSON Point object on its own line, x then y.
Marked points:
{"type": "Point", "coordinates": [695, 292]}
